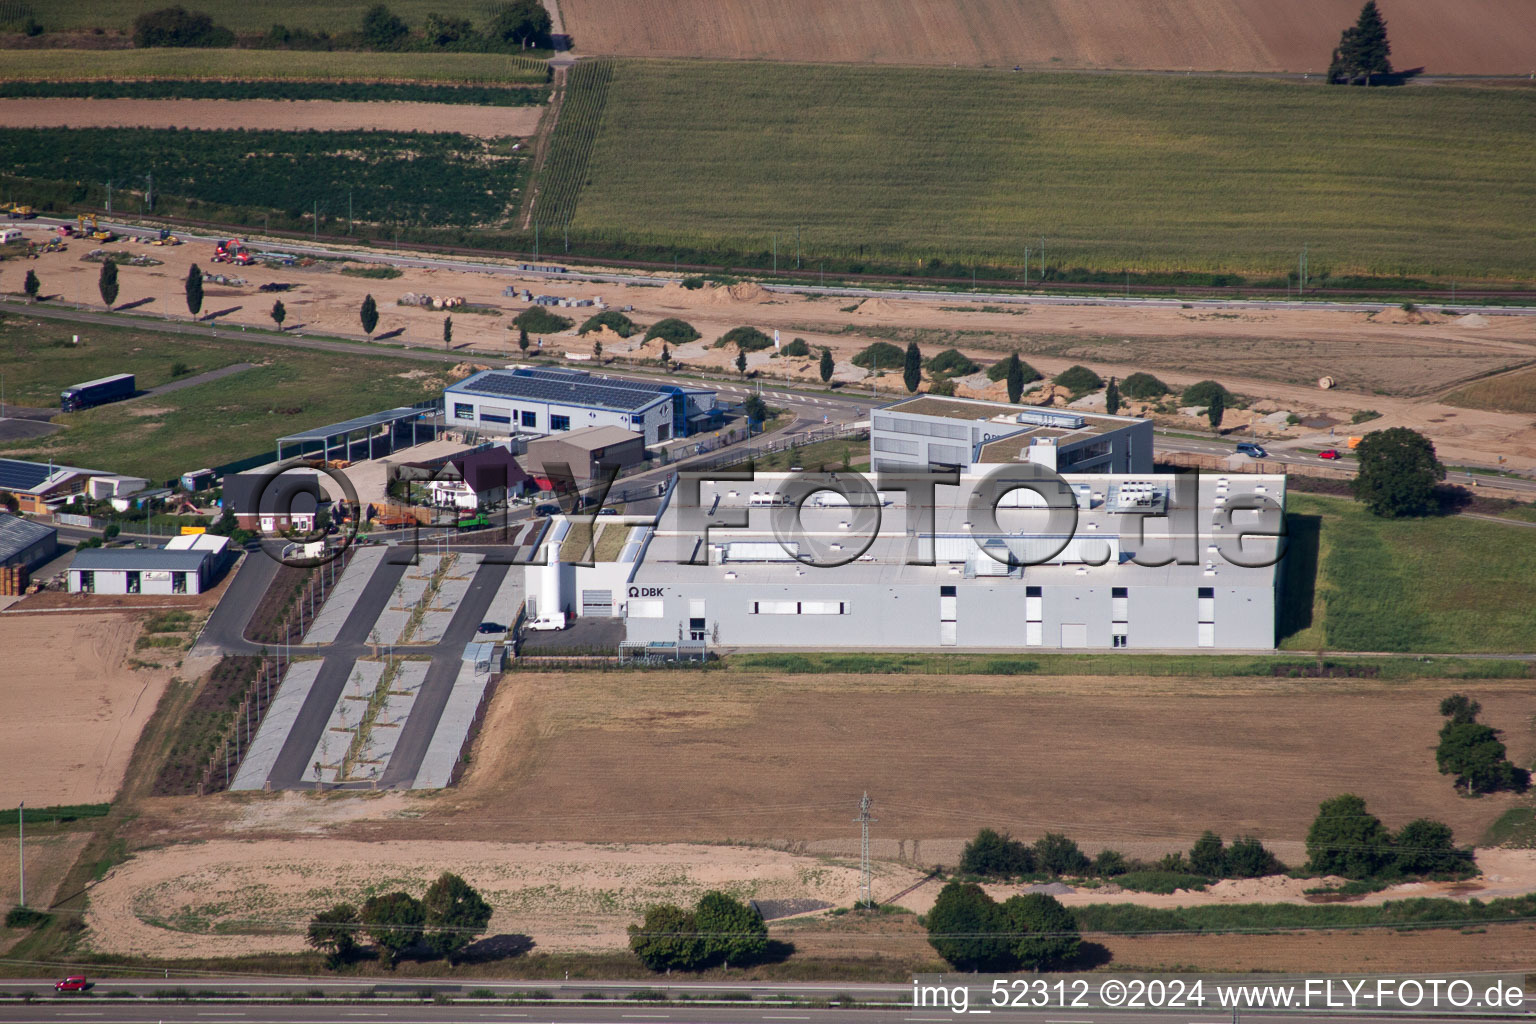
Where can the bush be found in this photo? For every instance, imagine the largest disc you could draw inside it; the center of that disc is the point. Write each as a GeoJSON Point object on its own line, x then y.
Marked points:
{"type": "Point", "coordinates": [1347, 840]}
{"type": "Point", "coordinates": [1364, 416]}
{"type": "Point", "coordinates": [1079, 380]}
{"type": "Point", "coordinates": [998, 370]}
{"type": "Point", "coordinates": [996, 855]}
{"type": "Point", "coordinates": [25, 917]}
{"type": "Point", "coordinates": [1161, 882]}
{"type": "Point", "coordinates": [881, 355]}
{"type": "Point", "coordinates": [1205, 392]}
{"type": "Point", "coordinates": [1426, 847]}
{"type": "Point", "coordinates": [1110, 863]}
{"type": "Point", "coordinates": [612, 319]}
{"type": "Point", "coordinates": [942, 389]}
{"type": "Point", "coordinates": [1057, 855]}
{"type": "Point", "coordinates": [798, 348]}
{"type": "Point", "coordinates": [541, 321]}
{"type": "Point", "coordinates": [177, 26]}
{"type": "Point", "coordinates": [1143, 386]}
{"type": "Point", "coordinates": [1247, 858]}
{"type": "Point", "coordinates": [382, 29]}
{"type": "Point", "coordinates": [950, 363]}
{"type": "Point", "coordinates": [672, 331]}
{"type": "Point", "coordinates": [693, 284]}
{"type": "Point", "coordinates": [747, 339]}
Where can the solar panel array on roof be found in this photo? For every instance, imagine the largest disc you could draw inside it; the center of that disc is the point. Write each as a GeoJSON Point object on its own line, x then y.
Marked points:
{"type": "Point", "coordinates": [17, 534]}
{"type": "Point", "coordinates": [565, 387]}
{"type": "Point", "coordinates": [16, 475]}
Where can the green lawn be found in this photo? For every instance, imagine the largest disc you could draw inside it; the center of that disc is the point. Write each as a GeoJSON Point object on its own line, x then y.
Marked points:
{"type": "Point", "coordinates": [1442, 584]}
{"type": "Point", "coordinates": [52, 65]}
{"type": "Point", "coordinates": [203, 425]}
{"type": "Point", "coordinates": [902, 165]}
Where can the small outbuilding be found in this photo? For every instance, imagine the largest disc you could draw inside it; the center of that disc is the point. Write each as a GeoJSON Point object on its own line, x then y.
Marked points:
{"type": "Point", "coordinates": [587, 452]}
{"type": "Point", "coordinates": [187, 565]}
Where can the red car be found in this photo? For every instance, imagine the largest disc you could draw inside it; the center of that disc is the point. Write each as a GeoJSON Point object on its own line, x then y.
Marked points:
{"type": "Point", "coordinates": [1329, 453]}
{"type": "Point", "coordinates": [73, 983]}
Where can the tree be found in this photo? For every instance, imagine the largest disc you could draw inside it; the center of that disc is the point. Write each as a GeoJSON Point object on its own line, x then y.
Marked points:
{"type": "Point", "coordinates": [194, 289]}
{"type": "Point", "coordinates": [1398, 473]}
{"type": "Point", "coordinates": [1041, 931]}
{"type": "Point", "coordinates": [111, 532]}
{"type": "Point", "coordinates": [1473, 753]}
{"type": "Point", "coordinates": [107, 283]}
{"type": "Point", "coordinates": [1112, 397]}
{"type": "Point", "coordinates": [1345, 839]}
{"type": "Point", "coordinates": [755, 408]}
{"type": "Point", "coordinates": [1110, 863]}
{"type": "Point", "coordinates": [912, 369]}
{"type": "Point", "coordinates": [334, 932]}
{"type": "Point", "coordinates": [991, 853]}
{"type": "Point", "coordinates": [1216, 410]}
{"type": "Point", "coordinates": [31, 285]}
{"type": "Point", "coordinates": [1209, 855]}
{"type": "Point", "coordinates": [731, 930]}
{"type": "Point", "coordinates": [825, 367]}
{"type": "Point", "coordinates": [967, 928]}
{"type": "Point", "coordinates": [177, 26]}
{"type": "Point", "coordinates": [447, 332]}
{"type": "Point", "coordinates": [597, 350]}
{"type": "Point", "coordinates": [1143, 386]}
{"type": "Point", "coordinates": [394, 921]}
{"type": "Point", "coordinates": [666, 355]}
{"type": "Point", "coordinates": [1460, 708]}
{"type": "Point", "coordinates": [667, 939]}
{"type": "Point", "coordinates": [382, 30]}
{"type": "Point", "coordinates": [1015, 379]}
{"type": "Point", "coordinates": [520, 23]}
{"type": "Point", "coordinates": [522, 339]}
{"type": "Point", "coordinates": [741, 362]}
{"type": "Point", "coordinates": [279, 313]}
{"type": "Point", "coordinates": [1079, 380]}
{"type": "Point", "coordinates": [455, 913]}
{"type": "Point", "coordinates": [444, 29]}
{"type": "Point", "coordinates": [1363, 49]}
{"type": "Point", "coordinates": [369, 315]}
{"type": "Point", "coordinates": [1427, 847]}
{"type": "Point", "coordinates": [10, 502]}
{"type": "Point", "coordinates": [1201, 394]}
{"type": "Point", "coordinates": [1057, 855]}
{"type": "Point", "coordinates": [1247, 858]}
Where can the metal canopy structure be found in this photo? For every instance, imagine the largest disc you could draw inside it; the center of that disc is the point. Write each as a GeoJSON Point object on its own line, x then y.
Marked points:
{"type": "Point", "coordinates": [362, 437]}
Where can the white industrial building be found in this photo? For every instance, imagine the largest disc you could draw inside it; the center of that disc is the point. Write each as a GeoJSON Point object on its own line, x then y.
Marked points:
{"type": "Point", "coordinates": [926, 432]}
{"type": "Point", "coordinates": [188, 564]}
{"type": "Point", "coordinates": [528, 400]}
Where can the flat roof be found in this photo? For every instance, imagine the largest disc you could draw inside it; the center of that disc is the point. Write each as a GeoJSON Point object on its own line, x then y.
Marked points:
{"type": "Point", "coordinates": [18, 534]}
{"type": "Point", "coordinates": [141, 559]}
{"type": "Point", "coordinates": [590, 437]}
{"type": "Point", "coordinates": [373, 419]}
{"type": "Point", "coordinates": [975, 411]}
{"type": "Point", "coordinates": [566, 387]}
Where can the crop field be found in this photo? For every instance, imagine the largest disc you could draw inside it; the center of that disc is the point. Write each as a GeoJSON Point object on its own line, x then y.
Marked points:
{"type": "Point", "coordinates": [1113, 172]}
{"type": "Point", "coordinates": [1509, 392]}
{"type": "Point", "coordinates": [1442, 584]}
{"type": "Point", "coordinates": [1475, 37]}
{"type": "Point", "coordinates": [581, 117]}
{"type": "Point", "coordinates": [203, 425]}
{"type": "Point", "coordinates": [391, 177]}
{"type": "Point", "coordinates": [55, 65]}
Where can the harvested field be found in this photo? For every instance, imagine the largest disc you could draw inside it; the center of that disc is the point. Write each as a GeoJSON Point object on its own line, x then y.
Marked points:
{"type": "Point", "coordinates": [692, 756]}
{"type": "Point", "coordinates": [71, 709]}
{"type": "Point", "coordinates": [318, 65]}
{"type": "Point", "coordinates": [1509, 392]}
{"type": "Point", "coordinates": [1133, 172]}
{"type": "Point", "coordinates": [269, 115]}
{"type": "Point", "coordinates": [1487, 37]}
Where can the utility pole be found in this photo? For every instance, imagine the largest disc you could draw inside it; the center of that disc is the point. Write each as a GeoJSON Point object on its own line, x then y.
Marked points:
{"type": "Point", "coordinates": [866, 897]}
{"type": "Point", "coordinates": [109, 199]}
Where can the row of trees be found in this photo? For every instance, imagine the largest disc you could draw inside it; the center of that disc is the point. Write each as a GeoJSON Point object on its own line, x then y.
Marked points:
{"type": "Point", "coordinates": [720, 929]}
{"type": "Point", "coordinates": [996, 855]}
{"type": "Point", "coordinates": [446, 920]}
{"type": "Point", "coordinates": [976, 933]}
{"type": "Point", "coordinates": [509, 26]}
{"type": "Point", "coordinates": [1472, 751]}
{"type": "Point", "coordinates": [1346, 839]}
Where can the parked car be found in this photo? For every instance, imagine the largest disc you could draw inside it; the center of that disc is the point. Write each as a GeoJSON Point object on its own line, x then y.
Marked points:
{"type": "Point", "coordinates": [73, 983]}
{"type": "Point", "coordinates": [490, 627]}
{"type": "Point", "coordinates": [1249, 448]}
{"type": "Point", "coordinates": [1329, 453]}
{"type": "Point", "coordinates": [607, 510]}
{"type": "Point", "coordinates": [547, 510]}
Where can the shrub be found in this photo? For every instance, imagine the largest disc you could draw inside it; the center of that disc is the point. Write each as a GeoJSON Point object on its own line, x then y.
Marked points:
{"type": "Point", "coordinates": [672, 331]}
{"type": "Point", "coordinates": [1247, 858]}
{"type": "Point", "coordinates": [1205, 392]}
{"type": "Point", "coordinates": [798, 348]}
{"type": "Point", "coordinates": [612, 319]}
{"type": "Point", "coordinates": [1110, 863]}
{"type": "Point", "coordinates": [1143, 386]}
{"type": "Point", "coordinates": [1426, 847]}
{"type": "Point", "coordinates": [1058, 855]}
{"type": "Point", "coordinates": [692, 283]}
{"type": "Point", "coordinates": [996, 855]}
{"type": "Point", "coordinates": [25, 917]}
{"type": "Point", "coordinates": [881, 355]}
{"type": "Point", "coordinates": [541, 321]}
{"type": "Point", "coordinates": [667, 939]}
{"type": "Point", "coordinates": [1347, 840]}
{"type": "Point", "coordinates": [942, 388]}
{"type": "Point", "coordinates": [950, 363]}
{"type": "Point", "coordinates": [1161, 882]}
{"type": "Point", "coordinates": [747, 339]}
{"type": "Point", "coordinates": [177, 26]}
{"type": "Point", "coordinates": [1364, 416]}
{"type": "Point", "coordinates": [1079, 380]}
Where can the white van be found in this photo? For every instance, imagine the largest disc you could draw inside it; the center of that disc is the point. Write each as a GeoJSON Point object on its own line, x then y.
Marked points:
{"type": "Point", "coordinates": [12, 236]}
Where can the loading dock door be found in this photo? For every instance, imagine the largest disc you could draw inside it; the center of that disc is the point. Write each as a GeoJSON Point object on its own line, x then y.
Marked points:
{"type": "Point", "coordinates": [597, 603]}
{"type": "Point", "coordinates": [1074, 634]}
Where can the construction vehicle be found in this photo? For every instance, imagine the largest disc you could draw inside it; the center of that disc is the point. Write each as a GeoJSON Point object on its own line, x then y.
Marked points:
{"type": "Point", "coordinates": [16, 211]}
{"type": "Point", "coordinates": [165, 238]}
{"type": "Point", "coordinates": [233, 251]}
{"type": "Point", "coordinates": [88, 228]}
{"type": "Point", "coordinates": [480, 519]}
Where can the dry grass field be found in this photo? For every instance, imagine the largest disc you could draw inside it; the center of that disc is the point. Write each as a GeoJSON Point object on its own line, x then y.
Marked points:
{"type": "Point", "coordinates": [1112, 761]}
{"type": "Point", "coordinates": [269, 115]}
{"type": "Point", "coordinates": [1471, 37]}
{"type": "Point", "coordinates": [1509, 392]}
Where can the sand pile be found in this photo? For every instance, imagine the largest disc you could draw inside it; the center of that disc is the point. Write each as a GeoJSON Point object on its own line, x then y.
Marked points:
{"type": "Point", "coordinates": [745, 292]}
{"type": "Point", "coordinates": [876, 306]}
{"type": "Point", "coordinates": [462, 370]}
{"type": "Point", "coordinates": [1472, 320]}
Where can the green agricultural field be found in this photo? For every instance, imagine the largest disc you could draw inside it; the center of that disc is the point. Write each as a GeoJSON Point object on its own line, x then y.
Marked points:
{"type": "Point", "coordinates": [1443, 584]}
{"type": "Point", "coordinates": [316, 15]}
{"type": "Point", "coordinates": [203, 425]}
{"type": "Point", "coordinates": [54, 65]}
{"type": "Point", "coordinates": [1156, 173]}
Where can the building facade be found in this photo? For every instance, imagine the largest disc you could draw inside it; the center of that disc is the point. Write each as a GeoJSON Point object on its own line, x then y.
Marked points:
{"type": "Point", "coordinates": [540, 400]}
{"type": "Point", "coordinates": [187, 565]}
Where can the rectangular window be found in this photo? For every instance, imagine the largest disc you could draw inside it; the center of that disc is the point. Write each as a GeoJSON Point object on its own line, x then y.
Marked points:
{"type": "Point", "coordinates": [823, 607]}
{"type": "Point", "coordinates": [463, 411]}
{"type": "Point", "coordinates": [179, 582]}
{"type": "Point", "coordinates": [559, 423]}
{"type": "Point", "coordinates": [1206, 636]}
{"type": "Point", "coordinates": [486, 417]}
{"type": "Point", "coordinates": [88, 581]}
{"type": "Point", "coordinates": [530, 419]}
{"type": "Point", "coordinates": [696, 630]}
{"type": "Point", "coordinates": [645, 609]}
{"type": "Point", "coordinates": [775, 608]}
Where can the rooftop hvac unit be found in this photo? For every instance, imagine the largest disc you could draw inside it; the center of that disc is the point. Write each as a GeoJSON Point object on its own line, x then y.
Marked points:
{"type": "Point", "coordinates": [1049, 418]}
